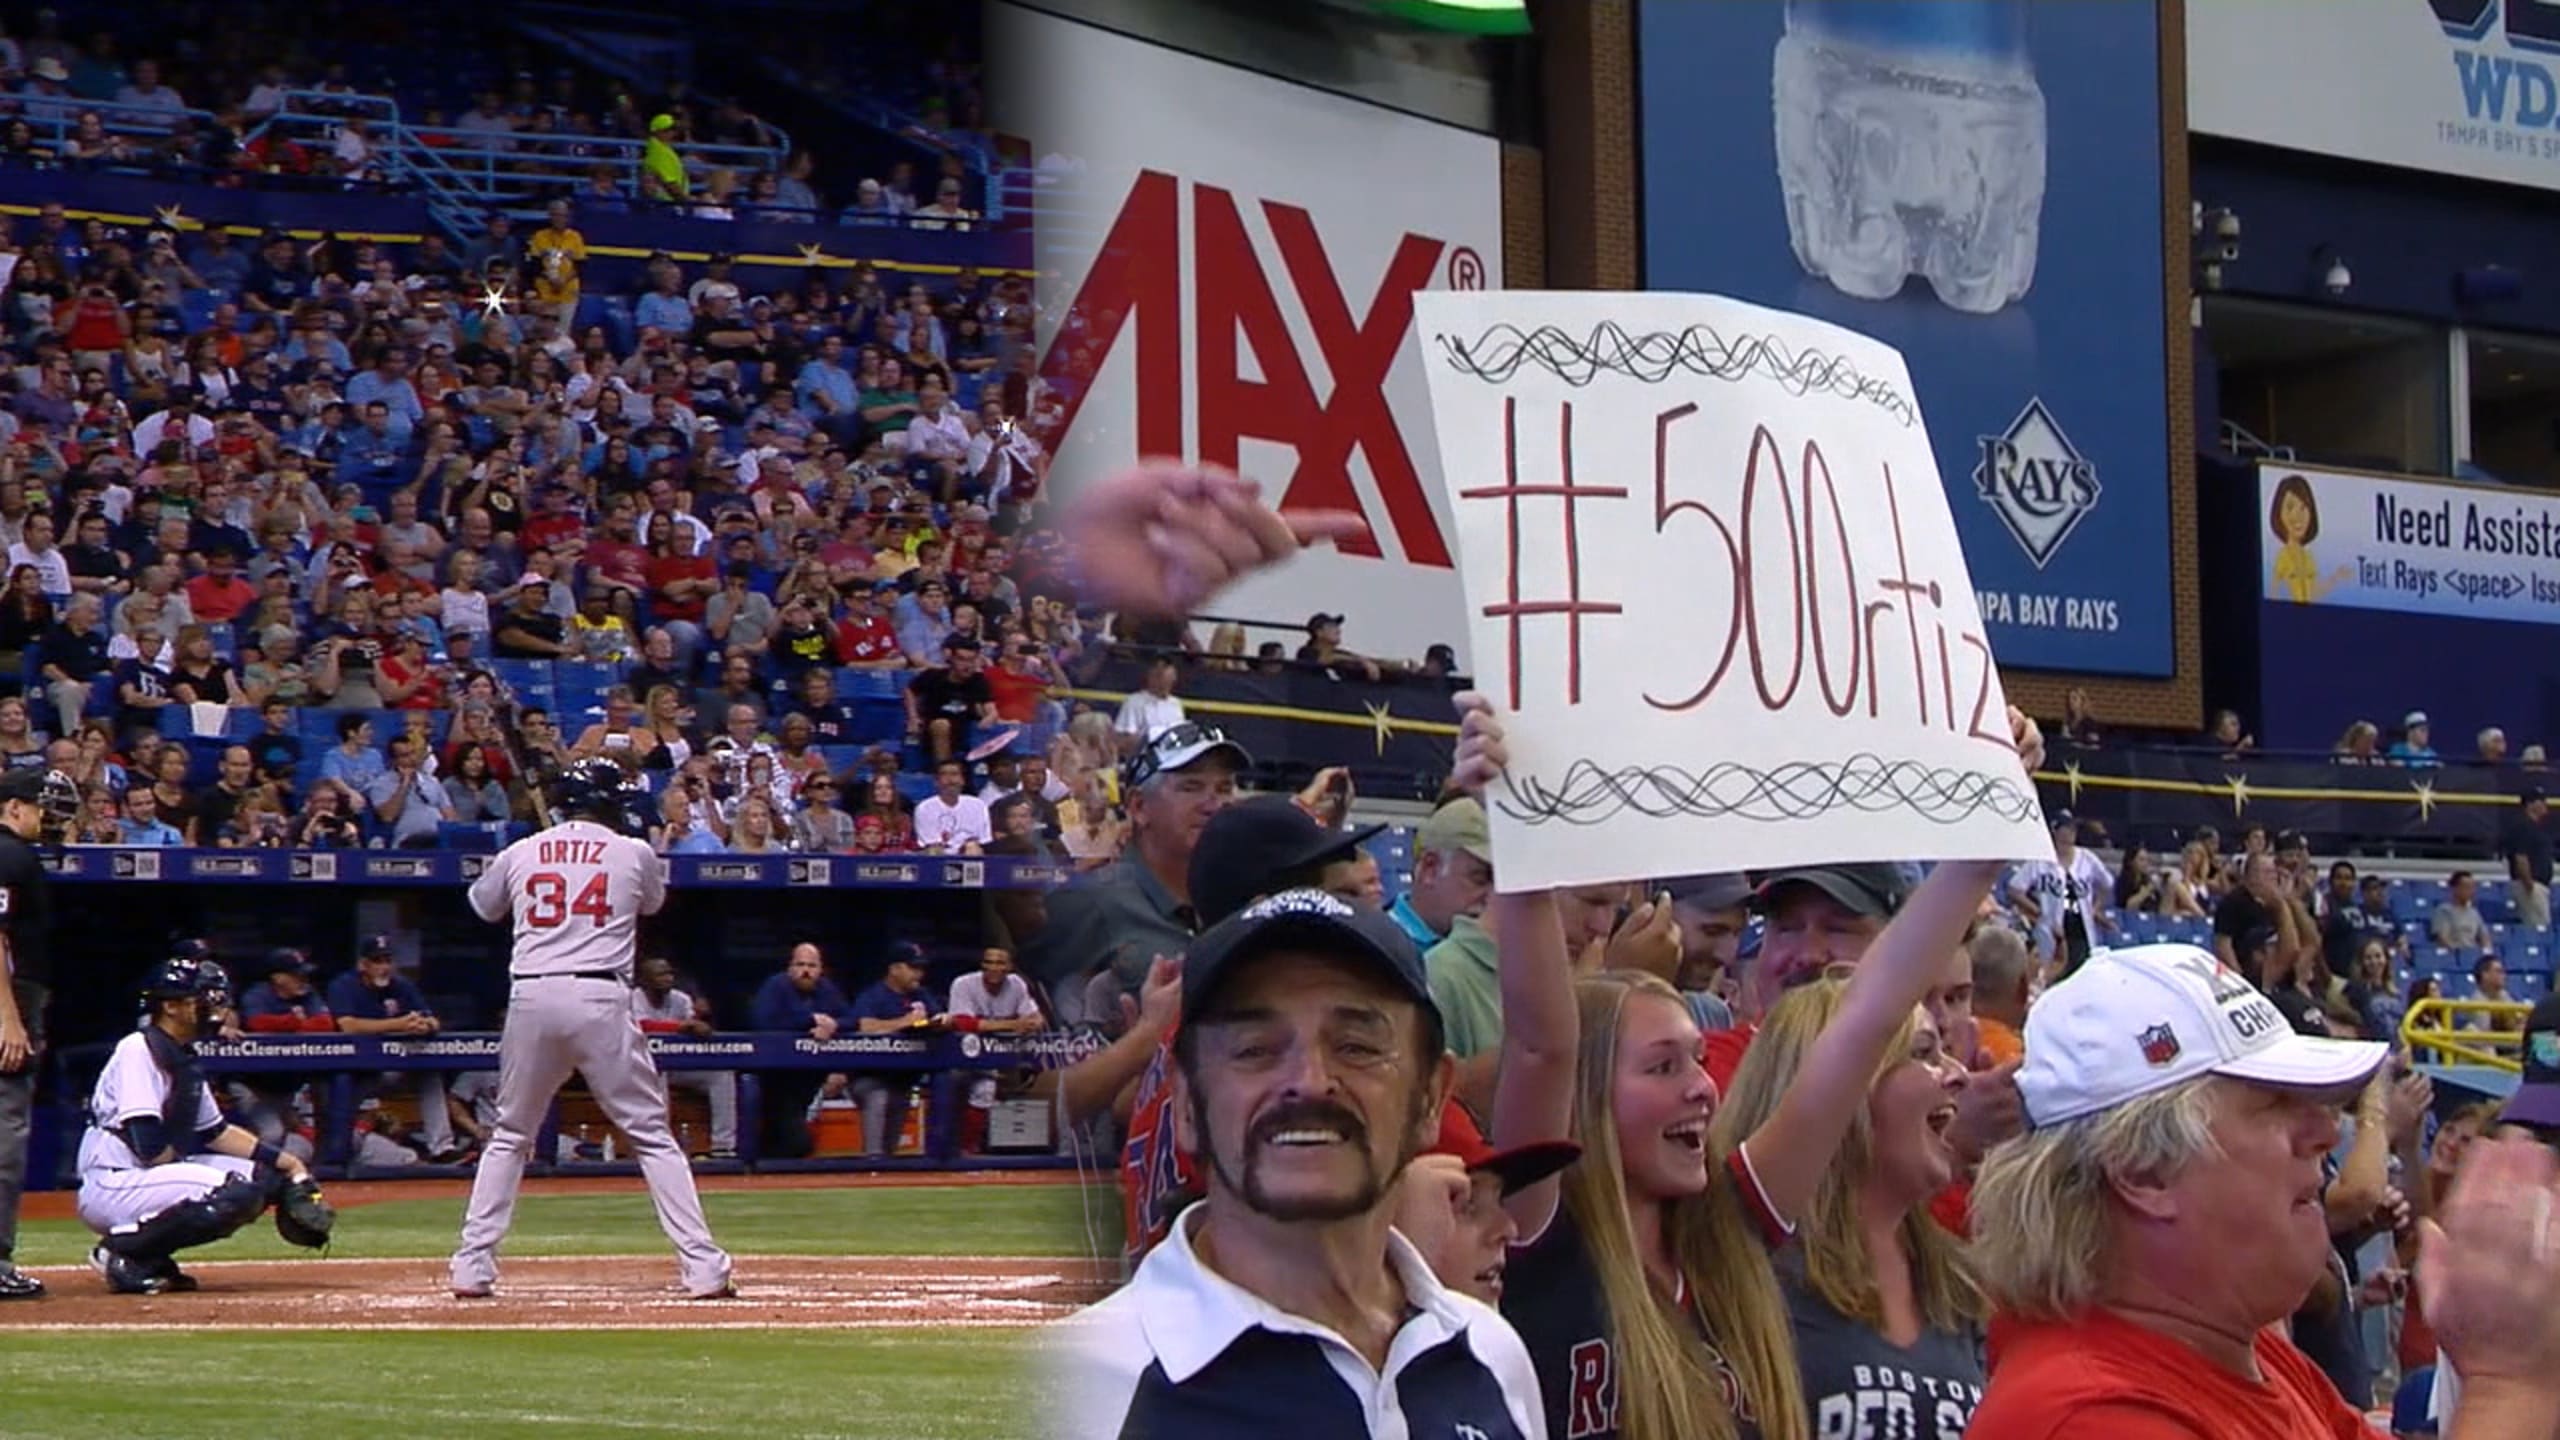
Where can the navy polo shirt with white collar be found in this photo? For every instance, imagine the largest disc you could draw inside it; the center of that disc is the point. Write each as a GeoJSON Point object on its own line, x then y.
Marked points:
{"type": "Point", "coordinates": [1183, 1353]}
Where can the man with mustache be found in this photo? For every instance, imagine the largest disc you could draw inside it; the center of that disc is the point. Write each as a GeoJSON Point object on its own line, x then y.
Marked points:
{"type": "Point", "coordinates": [1310, 1071]}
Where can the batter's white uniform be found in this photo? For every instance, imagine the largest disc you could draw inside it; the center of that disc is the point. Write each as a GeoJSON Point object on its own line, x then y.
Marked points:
{"type": "Point", "coordinates": [577, 892]}
{"type": "Point", "coordinates": [719, 1087]}
{"type": "Point", "coordinates": [1010, 1002]}
{"type": "Point", "coordinates": [116, 1188]}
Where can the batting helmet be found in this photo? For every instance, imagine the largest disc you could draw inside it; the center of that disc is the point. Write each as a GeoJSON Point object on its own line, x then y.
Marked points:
{"type": "Point", "coordinates": [590, 787]}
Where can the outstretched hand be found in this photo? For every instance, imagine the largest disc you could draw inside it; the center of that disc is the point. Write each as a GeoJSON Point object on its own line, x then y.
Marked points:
{"type": "Point", "coordinates": [2487, 1268]}
{"type": "Point", "coordinates": [1161, 538]}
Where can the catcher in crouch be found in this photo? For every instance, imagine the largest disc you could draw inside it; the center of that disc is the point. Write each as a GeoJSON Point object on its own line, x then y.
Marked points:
{"type": "Point", "coordinates": [160, 1169]}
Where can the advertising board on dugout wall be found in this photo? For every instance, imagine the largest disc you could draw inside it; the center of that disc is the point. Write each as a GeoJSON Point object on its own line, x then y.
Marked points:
{"type": "Point", "coordinates": [1978, 184]}
{"type": "Point", "coordinates": [1229, 267]}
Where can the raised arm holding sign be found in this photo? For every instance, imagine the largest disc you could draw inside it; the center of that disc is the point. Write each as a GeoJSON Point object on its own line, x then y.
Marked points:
{"type": "Point", "coordinates": [1712, 579]}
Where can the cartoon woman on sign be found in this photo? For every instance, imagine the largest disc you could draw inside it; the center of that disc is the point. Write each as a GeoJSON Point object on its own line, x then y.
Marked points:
{"type": "Point", "coordinates": [2295, 517]}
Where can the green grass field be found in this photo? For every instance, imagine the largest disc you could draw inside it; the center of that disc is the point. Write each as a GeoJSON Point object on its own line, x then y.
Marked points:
{"type": "Point", "coordinates": [776, 1384]}
{"type": "Point", "coordinates": [994, 1220]}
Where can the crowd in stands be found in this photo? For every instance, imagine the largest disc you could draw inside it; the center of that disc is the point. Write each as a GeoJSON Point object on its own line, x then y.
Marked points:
{"type": "Point", "coordinates": [403, 535]}
{"type": "Point", "coordinates": [95, 101]}
{"type": "Point", "coordinates": [2410, 744]}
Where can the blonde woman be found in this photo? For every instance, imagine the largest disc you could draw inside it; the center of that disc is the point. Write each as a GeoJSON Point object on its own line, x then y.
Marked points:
{"type": "Point", "coordinates": [756, 829]}
{"type": "Point", "coordinates": [1088, 748]}
{"type": "Point", "coordinates": [1088, 827]}
{"type": "Point", "coordinates": [1226, 647]}
{"type": "Point", "coordinates": [2202, 871]}
{"type": "Point", "coordinates": [2360, 745]}
{"type": "Point", "coordinates": [1874, 1285]}
{"type": "Point", "coordinates": [1642, 1281]}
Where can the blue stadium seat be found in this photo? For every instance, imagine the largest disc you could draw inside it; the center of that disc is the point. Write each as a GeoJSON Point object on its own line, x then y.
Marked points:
{"type": "Point", "coordinates": [225, 642]}
{"type": "Point", "coordinates": [585, 675]}
{"type": "Point", "coordinates": [2525, 950]}
{"type": "Point", "coordinates": [474, 837]}
{"type": "Point", "coordinates": [913, 786]}
{"type": "Point", "coordinates": [888, 685]}
{"type": "Point", "coordinates": [531, 680]}
{"type": "Point", "coordinates": [2417, 899]}
{"type": "Point", "coordinates": [178, 722]}
{"type": "Point", "coordinates": [841, 758]}
{"type": "Point", "coordinates": [2528, 985]}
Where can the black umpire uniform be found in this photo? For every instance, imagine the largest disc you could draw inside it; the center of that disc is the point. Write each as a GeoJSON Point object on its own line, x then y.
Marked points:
{"type": "Point", "coordinates": [26, 919]}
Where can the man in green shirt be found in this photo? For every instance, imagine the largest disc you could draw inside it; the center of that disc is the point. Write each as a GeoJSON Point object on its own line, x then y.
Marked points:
{"type": "Point", "coordinates": [892, 406]}
{"type": "Point", "coordinates": [662, 174]}
{"type": "Point", "coordinates": [1466, 985]}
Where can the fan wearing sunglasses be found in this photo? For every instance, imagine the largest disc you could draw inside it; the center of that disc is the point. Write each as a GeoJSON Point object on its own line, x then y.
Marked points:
{"type": "Point", "coordinates": [1104, 931]}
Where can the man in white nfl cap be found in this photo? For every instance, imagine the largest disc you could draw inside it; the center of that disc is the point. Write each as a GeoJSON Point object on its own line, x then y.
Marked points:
{"type": "Point", "coordinates": [2163, 1213]}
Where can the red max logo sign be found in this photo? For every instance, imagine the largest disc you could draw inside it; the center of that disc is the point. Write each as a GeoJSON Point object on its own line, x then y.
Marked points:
{"type": "Point", "coordinates": [1138, 276]}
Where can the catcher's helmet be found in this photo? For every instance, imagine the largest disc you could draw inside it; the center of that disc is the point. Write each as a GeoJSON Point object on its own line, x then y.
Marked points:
{"type": "Point", "coordinates": [182, 977]}
{"type": "Point", "coordinates": [54, 793]}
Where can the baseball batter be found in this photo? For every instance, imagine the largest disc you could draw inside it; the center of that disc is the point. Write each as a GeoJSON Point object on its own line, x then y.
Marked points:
{"type": "Point", "coordinates": [160, 1170]}
{"type": "Point", "coordinates": [577, 892]}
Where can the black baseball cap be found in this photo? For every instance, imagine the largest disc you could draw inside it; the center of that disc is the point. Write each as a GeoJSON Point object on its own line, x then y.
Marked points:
{"type": "Point", "coordinates": [285, 959]}
{"type": "Point", "coordinates": [375, 947]}
{"type": "Point", "coordinates": [1306, 920]}
{"type": "Point", "coordinates": [1708, 892]}
{"type": "Point", "coordinates": [1876, 890]}
{"type": "Point", "coordinates": [2537, 1098]}
{"type": "Point", "coordinates": [1247, 846]}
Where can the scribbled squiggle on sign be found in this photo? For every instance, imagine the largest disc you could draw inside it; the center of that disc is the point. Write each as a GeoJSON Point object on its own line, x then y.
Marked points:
{"type": "Point", "coordinates": [1654, 357]}
{"type": "Point", "coordinates": [1590, 793]}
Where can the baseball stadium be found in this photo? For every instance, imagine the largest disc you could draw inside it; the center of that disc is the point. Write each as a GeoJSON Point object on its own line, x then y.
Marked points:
{"type": "Point", "coordinates": [798, 715]}
{"type": "Point", "coordinates": [635, 545]}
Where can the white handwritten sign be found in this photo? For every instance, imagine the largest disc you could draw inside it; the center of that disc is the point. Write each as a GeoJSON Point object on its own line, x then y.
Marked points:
{"type": "Point", "coordinates": [1712, 581]}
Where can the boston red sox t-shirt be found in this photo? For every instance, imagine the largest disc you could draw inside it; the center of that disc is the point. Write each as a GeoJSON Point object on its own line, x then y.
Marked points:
{"type": "Point", "coordinates": [1551, 1294]}
{"type": "Point", "coordinates": [1860, 1386]}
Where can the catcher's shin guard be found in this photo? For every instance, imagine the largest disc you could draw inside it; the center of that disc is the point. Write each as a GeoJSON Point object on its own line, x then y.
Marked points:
{"type": "Point", "coordinates": [216, 1216]}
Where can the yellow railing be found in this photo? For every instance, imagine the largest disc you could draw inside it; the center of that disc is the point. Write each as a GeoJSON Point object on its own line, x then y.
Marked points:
{"type": "Point", "coordinates": [2429, 1026]}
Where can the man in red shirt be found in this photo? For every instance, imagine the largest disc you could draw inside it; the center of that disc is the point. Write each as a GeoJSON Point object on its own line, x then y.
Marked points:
{"type": "Point", "coordinates": [865, 640]}
{"type": "Point", "coordinates": [554, 524]}
{"type": "Point", "coordinates": [219, 594]}
{"type": "Point", "coordinates": [1020, 681]}
{"type": "Point", "coordinates": [2141, 1244]}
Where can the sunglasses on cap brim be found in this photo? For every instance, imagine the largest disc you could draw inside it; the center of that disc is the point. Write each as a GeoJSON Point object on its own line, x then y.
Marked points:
{"type": "Point", "coordinates": [1175, 748]}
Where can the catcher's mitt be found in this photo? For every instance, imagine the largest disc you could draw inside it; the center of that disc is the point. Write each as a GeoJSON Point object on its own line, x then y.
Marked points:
{"type": "Point", "coordinates": [303, 1217]}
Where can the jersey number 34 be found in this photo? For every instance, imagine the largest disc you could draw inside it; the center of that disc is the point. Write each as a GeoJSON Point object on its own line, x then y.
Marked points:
{"type": "Point", "coordinates": [548, 905]}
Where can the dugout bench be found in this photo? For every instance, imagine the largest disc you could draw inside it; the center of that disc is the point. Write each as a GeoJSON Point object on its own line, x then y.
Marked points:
{"type": "Point", "coordinates": [342, 1061]}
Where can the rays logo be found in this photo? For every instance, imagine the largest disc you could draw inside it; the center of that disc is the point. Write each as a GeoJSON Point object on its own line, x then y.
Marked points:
{"type": "Point", "coordinates": [2036, 481]}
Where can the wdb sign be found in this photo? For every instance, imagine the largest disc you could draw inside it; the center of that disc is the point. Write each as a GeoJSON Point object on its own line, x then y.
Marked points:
{"type": "Point", "coordinates": [2462, 87]}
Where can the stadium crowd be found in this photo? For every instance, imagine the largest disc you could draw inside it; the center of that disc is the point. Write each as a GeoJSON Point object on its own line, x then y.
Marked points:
{"type": "Point", "coordinates": [340, 543]}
